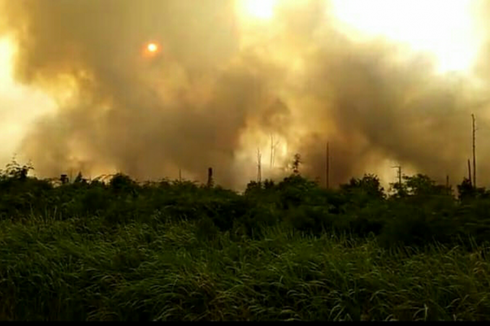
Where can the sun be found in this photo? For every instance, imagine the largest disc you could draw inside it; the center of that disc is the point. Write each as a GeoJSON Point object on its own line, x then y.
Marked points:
{"type": "Point", "coordinates": [443, 28]}
{"type": "Point", "coordinates": [257, 9]}
{"type": "Point", "coordinates": [151, 50]}
{"type": "Point", "coordinates": [152, 47]}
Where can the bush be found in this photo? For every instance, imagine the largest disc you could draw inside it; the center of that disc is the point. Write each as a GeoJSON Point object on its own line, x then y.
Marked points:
{"type": "Point", "coordinates": [282, 250]}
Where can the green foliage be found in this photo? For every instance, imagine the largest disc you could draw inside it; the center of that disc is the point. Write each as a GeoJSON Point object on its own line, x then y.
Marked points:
{"type": "Point", "coordinates": [287, 250]}
{"type": "Point", "coordinates": [16, 171]}
{"type": "Point", "coordinates": [296, 163]}
{"type": "Point", "coordinates": [369, 186]}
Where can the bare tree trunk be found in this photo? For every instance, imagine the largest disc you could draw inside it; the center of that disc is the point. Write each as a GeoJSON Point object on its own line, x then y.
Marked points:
{"type": "Point", "coordinates": [327, 166]}
{"type": "Point", "coordinates": [469, 172]}
{"type": "Point", "coordinates": [210, 177]}
{"type": "Point", "coordinates": [448, 187]}
{"type": "Point", "coordinates": [259, 166]}
{"type": "Point", "coordinates": [474, 150]}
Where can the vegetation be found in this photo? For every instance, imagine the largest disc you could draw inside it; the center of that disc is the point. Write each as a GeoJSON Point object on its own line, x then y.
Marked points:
{"type": "Point", "coordinates": [89, 250]}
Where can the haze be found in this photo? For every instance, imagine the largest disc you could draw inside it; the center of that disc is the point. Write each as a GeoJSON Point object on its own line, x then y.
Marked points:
{"type": "Point", "coordinates": [151, 87]}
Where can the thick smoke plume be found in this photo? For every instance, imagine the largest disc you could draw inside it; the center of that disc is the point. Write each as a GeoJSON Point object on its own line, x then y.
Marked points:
{"type": "Point", "coordinates": [219, 89]}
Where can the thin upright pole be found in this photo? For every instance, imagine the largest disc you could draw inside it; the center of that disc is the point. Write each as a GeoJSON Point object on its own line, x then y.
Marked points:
{"type": "Point", "coordinates": [474, 150]}
{"type": "Point", "coordinates": [327, 166]}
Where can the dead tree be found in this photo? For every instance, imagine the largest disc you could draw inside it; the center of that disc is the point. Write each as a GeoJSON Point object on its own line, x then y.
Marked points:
{"type": "Point", "coordinates": [399, 174]}
{"type": "Point", "coordinates": [469, 173]}
{"type": "Point", "coordinates": [327, 166]}
{"type": "Point", "coordinates": [474, 150]}
{"type": "Point", "coordinates": [296, 163]}
{"type": "Point", "coordinates": [259, 166]}
{"type": "Point", "coordinates": [448, 186]}
{"type": "Point", "coordinates": [210, 177]}
{"type": "Point", "coordinates": [273, 152]}
{"type": "Point", "coordinates": [64, 179]}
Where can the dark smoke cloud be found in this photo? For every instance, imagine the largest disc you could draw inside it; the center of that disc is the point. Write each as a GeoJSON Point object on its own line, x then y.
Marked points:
{"type": "Point", "coordinates": [193, 106]}
{"type": "Point", "coordinates": [395, 111]}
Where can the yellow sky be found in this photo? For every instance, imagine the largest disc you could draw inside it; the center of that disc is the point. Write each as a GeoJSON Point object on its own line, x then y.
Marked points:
{"type": "Point", "coordinates": [19, 105]}
{"type": "Point", "coordinates": [451, 39]}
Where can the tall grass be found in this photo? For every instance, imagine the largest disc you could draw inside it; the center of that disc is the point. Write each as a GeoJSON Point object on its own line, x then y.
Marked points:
{"type": "Point", "coordinates": [76, 269]}
{"type": "Point", "coordinates": [287, 251]}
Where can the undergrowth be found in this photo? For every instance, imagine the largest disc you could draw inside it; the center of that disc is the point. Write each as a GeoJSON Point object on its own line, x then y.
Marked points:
{"type": "Point", "coordinates": [118, 251]}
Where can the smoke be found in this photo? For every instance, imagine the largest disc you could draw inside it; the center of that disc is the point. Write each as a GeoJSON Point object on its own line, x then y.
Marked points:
{"type": "Point", "coordinates": [219, 89]}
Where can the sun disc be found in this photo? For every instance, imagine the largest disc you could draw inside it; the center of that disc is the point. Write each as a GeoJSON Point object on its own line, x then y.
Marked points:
{"type": "Point", "coordinates": [258, 9]}
{"type": "Point", "coordinates": [152, 47]}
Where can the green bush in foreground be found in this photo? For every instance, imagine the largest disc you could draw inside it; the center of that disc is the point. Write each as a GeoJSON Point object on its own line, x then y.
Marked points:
{"type": "Point", "coordinates": [288, 250]}
{"type": "Point", "coordinates": [81, 270]}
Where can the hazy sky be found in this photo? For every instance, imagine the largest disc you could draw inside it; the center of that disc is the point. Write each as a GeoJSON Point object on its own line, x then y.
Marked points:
{"type": "Point", "coordinates": [386, 82]}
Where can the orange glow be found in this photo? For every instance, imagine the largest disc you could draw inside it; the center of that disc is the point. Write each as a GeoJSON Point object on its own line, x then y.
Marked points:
{"type": "Point", "coordinates": [151, 49]}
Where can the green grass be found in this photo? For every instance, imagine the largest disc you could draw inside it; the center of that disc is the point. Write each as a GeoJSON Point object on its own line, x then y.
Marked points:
{"type": "Point", "coordinates": [82, 269]}
{"type": "Point", "coordinates": [122, 251]}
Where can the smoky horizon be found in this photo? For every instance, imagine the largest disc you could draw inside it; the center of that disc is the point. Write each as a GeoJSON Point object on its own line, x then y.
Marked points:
{"type": "Point", "coordinates": [168, 88]}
